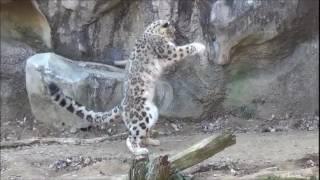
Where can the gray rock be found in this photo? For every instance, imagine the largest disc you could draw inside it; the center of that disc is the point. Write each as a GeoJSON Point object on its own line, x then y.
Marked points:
{"type": "Point", "coordinates": [261, 45]}
{"type": "Point", "coordinates": [269, 53]}
{"type": "Point", "coordinates": [14, 101]}
{"type": "Point", "coordinates": [24, 32]}
{"type": "Point", "coordinates": [94, 85]}
{"type": "Point", "coordinates": [23, 21]}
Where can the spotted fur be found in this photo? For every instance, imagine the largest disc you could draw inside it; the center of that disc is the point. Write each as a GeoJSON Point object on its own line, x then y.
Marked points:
{"type": "Point", "coordinates": [58, 97]}
{"type": "Point", "coordinates": [152, 53]}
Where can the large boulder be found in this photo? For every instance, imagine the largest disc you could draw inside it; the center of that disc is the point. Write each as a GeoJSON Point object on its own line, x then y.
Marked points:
{"type": "Point", "coordinates": [96, 86]}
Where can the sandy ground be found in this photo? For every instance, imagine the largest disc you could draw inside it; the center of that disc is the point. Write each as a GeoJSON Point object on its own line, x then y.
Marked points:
{"type": "Point", "coordinates": [255, 154]}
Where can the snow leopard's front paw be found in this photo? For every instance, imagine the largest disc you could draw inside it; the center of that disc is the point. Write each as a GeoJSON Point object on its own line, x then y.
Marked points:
{"type": "Point", "coordinates": [200, 48]}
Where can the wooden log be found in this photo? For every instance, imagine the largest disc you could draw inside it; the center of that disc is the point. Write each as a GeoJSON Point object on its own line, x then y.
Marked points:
{"type": "Point", "coordinates": [71, 141]}
{"type": "Point", "coordinates": [138, 169]}
{"type": "Point", "coordinates": [164, 168]}
{"type": "Point", "coordinates": [201, 151]}
{"type": "Point", "coordinates": [159, 168]}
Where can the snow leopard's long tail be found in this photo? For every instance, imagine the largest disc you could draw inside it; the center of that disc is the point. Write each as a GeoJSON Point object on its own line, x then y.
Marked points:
{"type": "Point", "coordinates": [58, 97]}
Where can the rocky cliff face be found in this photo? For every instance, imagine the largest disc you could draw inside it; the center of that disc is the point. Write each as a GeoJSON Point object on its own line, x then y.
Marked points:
{"type": "Point", "coordinates": [24, 31]}
{"type": "Point", "coordinates": [261, 59]}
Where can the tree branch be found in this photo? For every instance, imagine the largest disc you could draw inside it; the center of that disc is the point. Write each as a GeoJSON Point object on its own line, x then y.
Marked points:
{"type": "Point", "coordinates": [162, 167]}
{"type": "Point", "coordinates": [72, 141]}
{"type": "Point", "coordinates": [201, 151]}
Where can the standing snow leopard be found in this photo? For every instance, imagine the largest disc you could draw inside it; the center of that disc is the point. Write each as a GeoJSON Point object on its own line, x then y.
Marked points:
{"type": "Point", "coordinates": [152, 53]}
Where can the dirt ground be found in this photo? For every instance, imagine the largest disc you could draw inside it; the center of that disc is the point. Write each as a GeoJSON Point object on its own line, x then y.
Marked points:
{"type": "Point", "coordinates": [255, 155]}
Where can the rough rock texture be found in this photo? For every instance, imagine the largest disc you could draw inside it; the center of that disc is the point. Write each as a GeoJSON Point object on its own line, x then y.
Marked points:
{"type": "Point", "coordinates": [14, 101]}
{"type": "Point", "coordinates": [261, 44]}
{"type": "Point", "coordinates": [261, 59]}
{"type": "Point", "coordinates": [23, 21]}
{"type": "Point", "coordinates": [270, 50]}
{"type": "Point", "coordinates": [97, 87]}
{"type": "Point", "coordinates": [24, 32]}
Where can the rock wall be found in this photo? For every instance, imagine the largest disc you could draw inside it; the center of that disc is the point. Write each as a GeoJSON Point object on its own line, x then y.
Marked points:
{"type": "Point", "coordinates": [14, 101]}
{"type": "Point", "coordinates": [261, 58]}
{"type": "Point", "coordinates": [23, 21]}
{"type": "Point", "coordinates": [24, 31]}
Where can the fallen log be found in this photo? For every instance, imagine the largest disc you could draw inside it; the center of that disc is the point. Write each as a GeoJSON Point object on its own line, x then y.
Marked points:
{"type": "Point", "coordinates": [70, 141]}
{"type": "Point", "coordinates": [164, 168]}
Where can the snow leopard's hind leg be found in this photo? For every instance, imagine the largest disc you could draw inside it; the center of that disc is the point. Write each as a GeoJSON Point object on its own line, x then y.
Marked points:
{"type": "Point", "coordinates": [139, 125]}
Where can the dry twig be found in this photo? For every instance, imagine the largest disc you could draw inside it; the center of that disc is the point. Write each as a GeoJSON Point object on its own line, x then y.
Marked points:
{"type": "Point", "coordinates": [71, 141]}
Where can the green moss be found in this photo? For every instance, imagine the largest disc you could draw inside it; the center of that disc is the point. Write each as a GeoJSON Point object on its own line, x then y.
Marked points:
{"type": "Point", "coordinates": [240, 93]}
{"type": "Point", "coordinates": [242, 89]}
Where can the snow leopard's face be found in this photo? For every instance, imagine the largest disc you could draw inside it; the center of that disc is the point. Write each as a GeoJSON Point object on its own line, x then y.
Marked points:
{"type": "Point", "coordinates": [163, 28]}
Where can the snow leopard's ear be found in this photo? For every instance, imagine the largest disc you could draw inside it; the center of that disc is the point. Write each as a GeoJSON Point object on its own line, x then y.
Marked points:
{"type": "Point", "coordinates": [166, 29]}
{"type": "Point", "coordinates": [166, 25]}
